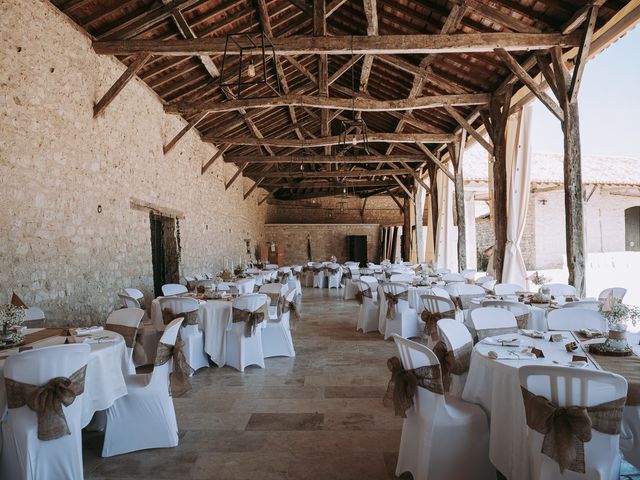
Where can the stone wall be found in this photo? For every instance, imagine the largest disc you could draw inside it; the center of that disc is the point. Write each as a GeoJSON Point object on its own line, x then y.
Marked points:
{"type": "Point", "coordinates": [326, 240]}
{"type": "Point", "coordinates": [72, 236]}
{"type": "Point", "coordinates": [378, 209]}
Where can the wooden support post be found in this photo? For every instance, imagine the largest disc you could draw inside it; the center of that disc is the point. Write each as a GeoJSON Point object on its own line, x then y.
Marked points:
{"type": "Point", "coordinates": [499, 112]}
{"type": "Point", "coordinates": [433, 198]}
{"type": "Point", "coordinates": [406, 231]}
{"type": "Point", "coordinates": [456, 152]}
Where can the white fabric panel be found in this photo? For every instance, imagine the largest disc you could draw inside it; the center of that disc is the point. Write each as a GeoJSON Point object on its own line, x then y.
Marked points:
{"type": "Point", "coordinates": [470, 226]}
{"type": "Point", "coordinates": [420, 198]}
{"type": "Point", "coordinates": [518, 193]}
{"type": "Point", "coordinates": [447, 234]}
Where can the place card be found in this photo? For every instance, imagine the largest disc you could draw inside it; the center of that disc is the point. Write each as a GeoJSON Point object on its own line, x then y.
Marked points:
{"type": "Point", "coordinates": [537, 352]}
{"type": "Point", "coordinates": [571, 346]}
{"type": "Point", "coordinates": [579, 358]}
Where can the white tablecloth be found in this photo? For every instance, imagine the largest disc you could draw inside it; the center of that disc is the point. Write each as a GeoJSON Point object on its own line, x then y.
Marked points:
{"type": "Point", "coordinates": [537, 316]}
{"type": "Point", "coordinates": [414, 295]}
{"type": "Point", "coordinates": [495, 386]}
{"type": "Point", "coordinates": [104, 381]}
{"type": "Point", "coordinates": [213, 318]}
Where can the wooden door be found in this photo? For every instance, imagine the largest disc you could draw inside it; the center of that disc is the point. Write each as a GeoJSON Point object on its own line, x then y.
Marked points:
{"type": "Point", "coordinates": [357, 249]}
{"type": "Point", "coordinates": [632, 229]}
{"type": "Point", "coordinates": [164, 251]}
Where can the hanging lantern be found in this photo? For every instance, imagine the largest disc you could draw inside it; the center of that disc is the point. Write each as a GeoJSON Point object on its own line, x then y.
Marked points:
{"type": "Point", "coordinates": [256, 55]}
{"type": "Point", "coordinates": [353, 128]}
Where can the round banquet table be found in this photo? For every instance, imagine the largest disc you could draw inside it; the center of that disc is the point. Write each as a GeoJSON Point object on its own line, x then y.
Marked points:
{"type": "Point", "coordinates": [495, 386]}
{"type": "Point", "coordinates": [537, 315]}
{"type": "Point", "coordinates": [213, 320]}
{"type": "Point", "coordinates": [104, 381]}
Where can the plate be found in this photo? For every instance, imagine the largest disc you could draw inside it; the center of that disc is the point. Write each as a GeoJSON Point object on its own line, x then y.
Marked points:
{"type": "Point", "coordinates": [503, 342]}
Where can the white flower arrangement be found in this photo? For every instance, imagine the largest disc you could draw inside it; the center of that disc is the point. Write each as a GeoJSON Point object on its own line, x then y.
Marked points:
{"type": "Point", "coordinates": [333, 259]}
{"type": "Point", "coordinates": [618, 312]}
{"type": "Point", "coordinates": [11, 316]}
{"type": "Point", "coordinates": [386, 263]}
{"type": "Point", "coordinates": [539, 279]}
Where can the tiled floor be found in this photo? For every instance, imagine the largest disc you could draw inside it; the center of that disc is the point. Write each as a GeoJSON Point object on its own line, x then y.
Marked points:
{"type": "Point", "coordinates": [318, 416]}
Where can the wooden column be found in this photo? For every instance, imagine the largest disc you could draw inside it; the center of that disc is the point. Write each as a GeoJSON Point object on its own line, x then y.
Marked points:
{"type": "Point", "coordinates": [432, 169]}
{"type": "Point", "coordinates": [456, 152]}
{"type": "Point", "coordinates": [573, 207]}
{"type": "Point", "coordinates": [406, 231]}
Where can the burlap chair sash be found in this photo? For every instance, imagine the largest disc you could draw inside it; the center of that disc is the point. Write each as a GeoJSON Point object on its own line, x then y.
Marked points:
{"type": "Point", "coordinates": [283, 277]}
{"type": "Point", "coordinates": [306, 268]}
{"type": "Point", "coordinates": [287, 306]}
{"type": "Point", "coordinates": [346, 273]}
{"type": "Point", "coordinates": [296, 274]}
{"type": "Point", "coordinates": [333, 271]}
{"type": "Point", "coordinates": [453, 362]}
{"type": "Point", "coordinates": [275, 300]}
{"type": "Point", "coordinates": [251, 319]}
{"type": "Point", "coordinates": [392, 302]}
{"type": "Point", "coordinates": [464, 301]}
{"type": "Point", "coordinates": [179, 383]}
{"type": "Point", "coordinates": [360, 294]}
{"type": "Point", "coordinates": [431, 319]}
{"type": "Point", "coordinates": [403, 384]}
{"type": "Point", "coordinates": [523, 320]}
{"type": "Point", "coordinates": [47, 401]}
{"type": "Point", "coordinates": [190, 318]}
{"type": "Point", "coordinates": [566, 429]}
{"type": "Point", "coordinates": [131, 335]}
{"type": "Point", "coordinates": [492, 332]}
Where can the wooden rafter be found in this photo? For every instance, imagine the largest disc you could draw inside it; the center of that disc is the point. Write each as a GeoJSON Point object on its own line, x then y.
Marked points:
{"type": "Point", "coordinates": [212, 160]}
{"type": "Point", "coordinates": [235, 176]}
{"type": "Point", "coordinates": [340, 45]}
{"type": "Point", "coordinates": [467, 126]}
{"type": "Point", "coordinates": [187, 128]}
{"type": "Point", "coordinates": [335, 140]}
{"type": "Point", "coordinates": [297, 159]}
{"type": "Point", "coordinates": [583, 54]}
{"type": "Point", "coordinates": [119, 84]}
{"type": "Point", "coordinates": [335, 173]}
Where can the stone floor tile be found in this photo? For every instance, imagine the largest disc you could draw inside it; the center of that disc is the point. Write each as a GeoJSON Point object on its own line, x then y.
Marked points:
{"type": "Point", "coordinates": [285, 421]}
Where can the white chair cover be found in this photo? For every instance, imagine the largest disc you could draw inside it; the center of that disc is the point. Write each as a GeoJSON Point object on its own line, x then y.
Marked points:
{"type": "Point", "coordinates": [489, 321]}
{"type": "Point", "coordinates": [272, 289]}
{"type": "Point", "coordinates": [455, 336]}
{"type": "Point", "coordinates": [402, 277]}
{"type": "Point", "coordinates": [173, 289]}
{"type": "Point", "coordinates": [368, 314]}
{"type": "Point", "coordinates": [192, 336]}
{"type": "Point", "coordinates": [243, 351]}
{"type": "Point", "coordinates": [318, 275]}
{"type": "Point", "coordinates": [23, 455]}
{"type": "Point", "coordinates": [588, 304]}
{"type": "Point", "coordinates": [127, 317]}
{"type": "Point", "coordinates": [334, 280]}
{"type": "Point", "coordinates": [575, 319]}
{"type": "Point", "coordinates": [128, 301]}
{"type": "Point", "coordinates": [564, 387]}
{"type": "Point", "coordinates": [560, 289]}
{"type": "Point", "coordinates": [507, 288]}
{"type": "Point", "coordinates": [617, 292]}
{"type": "Point", "coordinates": [276, 335]}
{"type": "Point", "coordinates": [145, 417]}
{"type": "Point", "coordinates": [443, 438]}
{"type": "Point", "coordinates": [34, 317]}
{"type": "Point", "coordinates": [405, 322]}
{"type": "Point", "coordinates": [453, 278]}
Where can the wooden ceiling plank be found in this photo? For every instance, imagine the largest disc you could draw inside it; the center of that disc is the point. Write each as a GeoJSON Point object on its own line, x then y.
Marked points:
{"type": "Point", "coordinates": [333, 173]}
{"type": "Point", "coordinates": [119, 84]}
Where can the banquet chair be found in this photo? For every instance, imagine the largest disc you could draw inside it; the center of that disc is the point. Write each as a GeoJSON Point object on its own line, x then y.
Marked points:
{"type": "Point", "coordinates": [276, 335]}
{"type": "Point", "coordinates": [318, 275]}
{"type": "Point", "coordinates": [441, 306]}
{"type": "Point", "coordinates": [463, 296]}
{"type": "Point", "coordinates": [507, 288]}
{"type": "Point", "coordinates": [242, 350]}
{"type": "Point", "coordinates": [271, 266]}
{"type": "Point", "coordinates": [34, 318]}
{"type": "Point", "coordinates": [128, 301]}
{"type": "Point", "coordinates": [190, 281]}
{"type": "Point", "coordinates": [469, 274]}
{"type": "Point", "coordinates": [618, 293]}
{"type": "Point", "coordinates": [443, 271]}
{"type": "Point", "coordinates": [489, 285]}
{"type": "Point", "coordinates": [349, 274]}
{"type": "Point", "coordinates": [368, 313]}
{"type": "Point", "coordinates": [274, 291]}
{"type": "Point", "coordinates": [190, 332]}
{"type": "Point", "coordinates": [382, 308]}
{"type": "Point", "coordinates": [456, 338]}
{"type": "Point", "coordinates": [24, 456]}
{"type": "Point", "coordinates": [402, 277]}
{"type": "Point", "coordinates": [560, 289]}
{"type": "Point", "coordinates": [565, 387]}
{"type": "Point", "coordinates": [333, 272]}
{"type": "Point", "coordinates": [576, 319]}
{"type": "Point", "coordinates": [588, 304]}
{"type": "Point", "coordinates": [453, 278]}
{"type": "Point", "coordinates": [173, 289]}
{"type": "Point", "coordinates": [519, 310]}
{"type": "Point", "coordinates": [126, 322]}
{"type": "Point", "coordinates": [490, 321]}
{"type": "Point", "coordinates": [145, 417]}
{"type": "Point", "coordinates": [443, 437]}
{"type": "Point", "coordinates": [135, 293]}
{"type": "Point", "coordinates": [483, 279]}
{"type": "Point", "coordinates": [401, 319]}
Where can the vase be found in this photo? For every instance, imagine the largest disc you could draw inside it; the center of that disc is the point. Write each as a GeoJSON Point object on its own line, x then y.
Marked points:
{"type": "Point", "coordinates": [617, 337]}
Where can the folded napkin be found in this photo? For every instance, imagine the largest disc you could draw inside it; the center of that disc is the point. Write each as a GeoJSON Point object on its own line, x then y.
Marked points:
{"type": "Point", "coordinates": [532, 333]}
{"type": "Point", "coordinates": [510, 355]}
{"type": "Point", "coordinates": [100, 339]}
{"type": "Point", "coordinates": [591, 332]}
{"type": "Point", "coordinates": [84, 331]}
{"type": "Point", "coordinates": [503, 342]}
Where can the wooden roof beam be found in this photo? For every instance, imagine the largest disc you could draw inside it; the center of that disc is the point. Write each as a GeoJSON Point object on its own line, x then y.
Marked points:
{"type": "Point", "coordinates": [346, 44]}
{"type": "Point", "coordinates": [467, 126]}
{"type": "Point", "coordinates": [299, 159]}
{"type": "Point", "coordinates": [119, 84]}
{"type": "Point", "coordinates": [334, 173]}
{"type": "Point", "coordinates": [212, 160]}
{"type": "Point", "coordinates": [351, 104]}
{"type": "Point", "coordinates": [583, 54]}
{"type": "Point", "coordinates": [335, 140]}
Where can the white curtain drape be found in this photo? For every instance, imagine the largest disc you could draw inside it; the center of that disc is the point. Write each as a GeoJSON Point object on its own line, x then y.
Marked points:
{"type": "Point", "coordinates": [447, 233]}
{"type": "Point", "coordinates": [518, 193]}
{"type": "Point", "coordinates": [420, 197]}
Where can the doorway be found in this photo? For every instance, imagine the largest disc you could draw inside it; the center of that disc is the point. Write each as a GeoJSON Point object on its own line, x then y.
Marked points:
{"type": "Point", "coordinates": [632, 229]}
{"type": "Point", "coordinates": [164, 251]}
{"type": "Point", "coordinates": [357, 249]}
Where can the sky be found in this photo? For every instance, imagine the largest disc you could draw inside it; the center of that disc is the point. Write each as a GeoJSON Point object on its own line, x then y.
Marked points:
{"type": "Point", "coordinates": [609, 103]}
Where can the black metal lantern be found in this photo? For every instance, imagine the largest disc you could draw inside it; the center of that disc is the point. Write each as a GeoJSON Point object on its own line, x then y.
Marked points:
{"type": "Point", "coordinates": [255, 51]}
{"type": "Point", "coordinates": [355, 127]}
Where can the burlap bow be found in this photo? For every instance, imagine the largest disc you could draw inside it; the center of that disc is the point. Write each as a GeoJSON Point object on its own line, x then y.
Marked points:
{"type": "Point", "coordinates": [132, 339]}
{"type": "Point", "coordinates": [179, 378]}
{"type": "Point", "coordinates": [452, 362]}
{"type": "Point", "coordinates": [403, 384]}
{"type": "Point", "coordinates": [346, 273]}
{"type": "Point", "coordinates": [431, 319]}
{"type": "Point", "coordinates": [287, 306]}
{"type": "Point", "coordinates": [283, 277]}
{"type": "Point", "coordinates": [251, 319]}
{"type": "Point", "coordinates": [392, 301]}
{"type": "Point", "coordinates": [360, 294]}
{"type": "Point", "coordinates": [190, 318]}
{"type": "Point", "coordinates": [47, 401]}
{"type": "Point", "coordinates": [333, 271]}
{"type": "Point", "coordinates": [566, 429]}
{"type": "Point", "coordinates": [523, 320]}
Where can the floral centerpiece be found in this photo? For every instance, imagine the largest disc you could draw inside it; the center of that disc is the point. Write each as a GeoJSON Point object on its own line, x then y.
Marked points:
{"type": "Point", "coordinates": [386, 263]}
{"type": "Point", "coordinates": [333, 259]}
{"type": "Point", "coordinates": [11, 316]}
{"type": "Point", "coordinates": [538, 279]}
{"type": "Point", "coordinates": [618, 313]}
